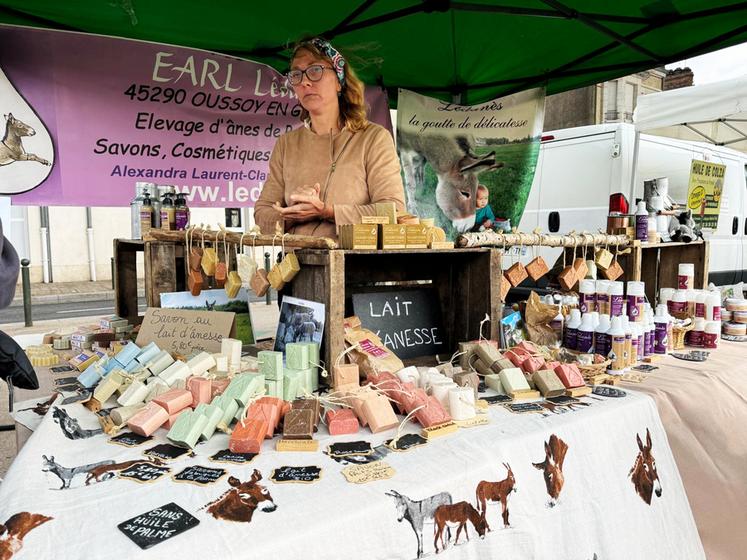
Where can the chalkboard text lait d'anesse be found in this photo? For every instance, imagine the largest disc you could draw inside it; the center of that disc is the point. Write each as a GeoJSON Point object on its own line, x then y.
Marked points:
{"type": "Point", "coordinates": [397, 309]}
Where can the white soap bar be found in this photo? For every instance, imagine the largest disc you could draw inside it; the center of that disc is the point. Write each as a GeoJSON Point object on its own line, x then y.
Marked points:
{"type": "Point", "coordinates": [160, 362]}
{"type": "Point", "coordinates": [462, 403]}
{"type": "Point", "coordinates": [513, 380]}
{"type": "Point", "coordinates": [441, 390]}
{"type": "Point", "coordinates": [201, 363]}
{"type": "Point", "coordinates": [108, 386]}
{"type": "Point", "coordinates": [493, 381]}
{"type": "Point", "coordinates": [231, 348]}
{"type": "Point", "coordinates": [409, 375]}
{"type": "Point", "coordinates": [147, 353]}
{"type": "Point", "coordinates": [122, 414]}
{"type": "Point", "coordinates": [221, 362]}
{"type": "Point", "coordinates": [175, 372]}
{"type": "Point", "coordinates": [156, 386]}
{"type": "Point", "coordinates": [135, 394]}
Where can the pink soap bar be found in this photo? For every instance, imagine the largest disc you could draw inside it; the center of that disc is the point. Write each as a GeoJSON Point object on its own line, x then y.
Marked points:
{"type": "Point", "coordinates": [379, 413]}
{"type": "Point", "coordinates": [356, 399]}
{"type": "Point", "coordinates": [174, 400]}
{"type": "Point", "coordinates": [532, 364]}
{"type": "Point", "coordinates": [247, 436]}
{"type": "Point", "coordinates": [201, 389]}
{"type": "Point", "coordinates": [551, 365]}
{"type": "Point", "coordinates": [269, 412]}
{"type": "Point", "coordinates": [517, 355]}
{"type": "Point", "coordinates": [528, 346]}
{"type": "Point", "coordinates": [403, 395]}
{"type": "Point", "coordinates": [283, 406]}
{"type": "Point", "coordinates": [148, 420]}
{"type": "Point", "coordinates": [433, 414]}
{"type": "Point", "coordinates": [570, 375]}
{"type": "Point", "coordinates": [343, 421]}
{"type": "Point", "coordinates": [217, 386]}
{"type": "Point", "coordinates": [415, 399]}
{"type": "Point", "coordinates": [172, 419]}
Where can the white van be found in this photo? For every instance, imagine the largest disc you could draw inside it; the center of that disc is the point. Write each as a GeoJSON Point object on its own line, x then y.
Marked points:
{"type": "Point", "coordinates": [578, 169]}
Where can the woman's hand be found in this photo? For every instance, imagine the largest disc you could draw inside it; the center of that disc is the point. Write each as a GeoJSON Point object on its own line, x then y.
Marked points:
{"type": "Point", "coordinates": [306, 206]}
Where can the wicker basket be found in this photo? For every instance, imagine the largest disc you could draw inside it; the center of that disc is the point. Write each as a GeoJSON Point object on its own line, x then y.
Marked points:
{"type": "Point", "coordinates": [678, 335]}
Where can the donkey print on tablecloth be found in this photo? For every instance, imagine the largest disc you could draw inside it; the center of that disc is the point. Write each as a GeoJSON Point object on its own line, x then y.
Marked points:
{"type": "Point", "coordinates": [644, 476]}
{"type": "Point", "coordinates": [552, 467]}
{"type": "Point", "coordinates": [239, 502]}
{"type": "Point", "coordinates": [419, 512]}
{"type": "Point", "coordinates": [70, 426]}
{"type": "Point", "coordinates": [496, 492]}
{"type": "Point", "coordinates": [13, 531]}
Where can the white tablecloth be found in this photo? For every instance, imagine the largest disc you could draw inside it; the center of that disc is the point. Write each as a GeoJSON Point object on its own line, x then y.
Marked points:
{"type": "Point", "coordinates": [598, 512]}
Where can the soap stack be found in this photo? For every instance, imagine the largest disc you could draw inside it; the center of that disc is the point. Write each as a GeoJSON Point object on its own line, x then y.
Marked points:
{"type": "Point", "coordinates": [296, 376]}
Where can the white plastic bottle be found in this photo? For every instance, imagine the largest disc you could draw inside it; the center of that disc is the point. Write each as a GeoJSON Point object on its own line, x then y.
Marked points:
{"type": "Point", "coordinates": [713, 306]}
{"type": "Point", "coordinates": [636, 299]}
{"type": "Point", "coordinates": [557, 325]}
{"type": "Point", "coordinates": [700, 299]}
{"type": "Point", "coordinates": [678, 303]}
{"type": "Point", "coordinates": [649, 336]}
{"type": "Point", "coordinates": [616, 298]}
{"type": "Point", "coordinates": [711, 334]}
{"type": "Point", "coordinates": [601, 338]}
{"type": "Point", "coordinates": [685, 276]}
{"type": "Point", "coordinates": [595, 318]}
{"type": "Point", "coordinates": [585, 336]}
{"type": "Point", "coordinates": [603, 296]}
{"type": "Point", "coordinates": [587, 296]}
{"type": "Point", "coordinates": [695, 337]}
{"type": "Point", "coordinates": [665, 295]}
{"type": "Point", "coordinates": [628, 338]}
{"type": "Point", "coordinates": [661, 322]}
{"type": "Point", "coordinates": [570, 338]}
{"type": "Point", "coordinates": [641, 222]}
{"type": "Point", "coordinates": [616, 335]}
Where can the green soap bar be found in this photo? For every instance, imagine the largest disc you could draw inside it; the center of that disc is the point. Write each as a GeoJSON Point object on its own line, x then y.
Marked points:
{"type": "Point", "coordinates": [274, 387]}
{"type": "Point", "coordinates": [314, 363]}
{"type": "Point", "coordinates": [270, 364]}
{"type": "Point", "coordinates": [292, 386]}
{"type": "Point", "coordinates": [297, 355]}
{"type": "Point", "coordinates": [244, 386]}
{"type": "Point", "coordinates": [493, 381]}
{"type": "Point", "coordinates": [305, 379]}
{"type": "Point", "coordinates": [187, 429]}
{"type": "Point", "coordinates": [214, 414]}
{"type": "Point", "coordinates": [228, 406]}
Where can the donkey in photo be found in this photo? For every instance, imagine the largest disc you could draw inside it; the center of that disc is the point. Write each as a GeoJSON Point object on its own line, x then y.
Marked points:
{"type": "Point", "coordinates": [419, 512]}
{"type": "Point", "coordinates": [496, 492]}
{"type": "Point", "coordinates": [13, 531]}
{"type": "Point", "coordinates": [239, 502]}
{"type": "Point", "coordinates": [70, 426]}
{"type": "Point", "coordinates": [643, 474]}
{"type": "Point", "coordinates": [455, 164]}
{"type": "Point", "coordinates": [11, 147]}
{"type": "Point", "coordinates": [67, 474]}
{"type": "Point", "coordinates": [552, 466]}
{"type": "Point", "coordinates": [456, 515]}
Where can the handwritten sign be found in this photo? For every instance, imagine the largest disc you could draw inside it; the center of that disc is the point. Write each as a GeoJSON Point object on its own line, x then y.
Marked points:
{"type": "Point", "coordinates": [304, 475]}
{"type": "Point", "coordinates": [479, 420]}
{"type": "Point", "coordinates": [200, 475]}
{"type": "Point", "coordinates": [227, 456]}
{"type": "Point", "coordinates": [405, 442]}
{"type": "Point", "coordinates": [157, 525]}
{"type": "Point", "coordinates": [370, 472]}
{"type": "Point", "coordinates": [183, 332]}
{"type": "Point", "coordinates": [346, 448]}
{"type": "Point", "coordinates": [407, 321]}
{"type": "Point", "coordinates": [165, 451]}
{"type": "Point", "coordinates": [704, 192]}
{"type": "Point", "coordinates": [144, 472]}
{"type": "Point", "coordinates": [562, 400]}
{"type": "Point", "coordinates": [129, 439]}
{"type": "Point", "coordinates": [496, 399]}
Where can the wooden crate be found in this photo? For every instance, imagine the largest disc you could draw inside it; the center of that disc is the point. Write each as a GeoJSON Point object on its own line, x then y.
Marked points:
{"type": "Point", "coordinates": [466, 280]}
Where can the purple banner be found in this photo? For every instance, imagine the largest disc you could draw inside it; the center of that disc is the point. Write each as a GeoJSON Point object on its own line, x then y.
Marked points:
{"type": "Point", "coordinates": [85, 117]}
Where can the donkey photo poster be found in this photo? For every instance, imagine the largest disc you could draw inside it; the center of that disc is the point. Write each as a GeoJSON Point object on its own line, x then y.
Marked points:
{"type": "Point", "coordinates": [469, 167]}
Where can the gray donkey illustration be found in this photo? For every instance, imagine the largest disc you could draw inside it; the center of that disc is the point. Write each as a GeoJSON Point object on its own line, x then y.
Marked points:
{"type": "Point", "coordinates": [455, 163]}
{"type": "Point", "coordinates": [66, 474]}
{"type": "Point", "coordinates": [419, 512]}
{"type": "Point", "coordinates": [11, 147]}
{"type": "Point", "coordinates": [70, 426]}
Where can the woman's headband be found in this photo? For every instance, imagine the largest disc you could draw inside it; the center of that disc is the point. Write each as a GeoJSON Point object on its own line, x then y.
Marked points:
{"type": "Point", "coordinates": [338, 61]}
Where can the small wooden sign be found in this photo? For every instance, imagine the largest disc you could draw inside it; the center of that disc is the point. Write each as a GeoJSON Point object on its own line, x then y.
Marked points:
{"type": "Point", "coordinates": [297, 445]}
{"type": "Point", "coordinates": [440, 430]}
{"type": "Point", "coordinates": [182, 331]}
{"type": "Point", "coordinates": [343, 449]}
{"type": "Point", "coordinates": [370, 472]}
{"type": "Point", "coordinates": [479, 420]}
{"type": "Point", "coordinates": [166, 452]}
{"type": "Point", "coordinates": [303, 475]}
{"type": "Point", "coordinates": [157, 525]}
{"type": "Point", "coordinates": [227, 456]}
{"type": "Point", "coordinates": [199, 475]}
{"type": "Point", "coordinates": [144, 472]}
{"type": "Point", "coordinates": [405, 442]}
{"type": "Point", "coordinates": [129, 439]}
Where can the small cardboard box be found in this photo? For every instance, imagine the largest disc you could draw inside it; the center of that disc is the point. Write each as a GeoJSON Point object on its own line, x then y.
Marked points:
{"type": "Point", "coordinates": [537, 268]}
{"type": "Point", "coordinates": [360, 236]}
{"type": "Point", "coordinates": [516, 274]}
{"type": "Point", "coordinates": [392, 236]}
{"type": "Point", "coordinates": [417, 236]}
{"type": "Point", "coordinates": [567, 278]}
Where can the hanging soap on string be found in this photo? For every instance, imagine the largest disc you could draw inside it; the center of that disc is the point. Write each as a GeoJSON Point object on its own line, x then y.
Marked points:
{"type": "Point", "coordinates": [537, 268]}
{"type": "Point", "coordinates": [194, 253]}
{"type": "Point", "coordinates": [209, 257]}
{"type": "Point", "coordinates": [246, 265]}
{"type": "Point", "coordinates": [194, 275]}
{"type": "Point", "coordinates": [289, 266]}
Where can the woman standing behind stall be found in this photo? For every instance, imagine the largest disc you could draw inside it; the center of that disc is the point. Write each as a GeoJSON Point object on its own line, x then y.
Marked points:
{"type": "Point", "coordinates": [333, 169]}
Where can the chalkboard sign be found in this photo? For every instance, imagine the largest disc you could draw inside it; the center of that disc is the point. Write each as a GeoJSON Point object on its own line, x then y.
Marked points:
{"type": "Point", "coordinates": [523, 407]}
{"type": "Point", "coordinates": [343, 449]}
{"type": "Point", "coordinates": [129, 439]}
{"type": "Point", "coordinates": [200, 475]}
{"type": "Point", "coordinates": [405, 442]}
{"type": "Point", "coordinates": [157, 525]}
{"type": "Point", "coordinates": [407, 321]}
{"type": "Point", "coordinates": [496, 399]}
{"type": "Point", "coordinates": [144, 472]}
{"type": "Point", "coordinates": [603, 391]}
{"type": "Point", "coordinates": [305, 475]}
{"type": "Point", "coordinates": [70, 383]}
{"type": "Point", "coordinates": [562, 400]}
{"type": "Point", "coordinates": [227, 456]}
{"type": "Point", "coordinates": [61, 369]}
{"type": "Point", "coordinates": [166, 451]}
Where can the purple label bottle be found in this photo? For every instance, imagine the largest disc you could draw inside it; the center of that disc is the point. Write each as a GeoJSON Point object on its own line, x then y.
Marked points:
{"type": "Point", "coordinates": [570, 339]}
{"type": "Point", "coordinates": [585, 341]}
{"type": "Point", "coordinates": [660, 338]}
{"type": "Point", "coordinates": [601, 344]}
{"type": "Point", "coordinates": [616, 305]}
{"type": "Point", "coordinates": [648, 343]}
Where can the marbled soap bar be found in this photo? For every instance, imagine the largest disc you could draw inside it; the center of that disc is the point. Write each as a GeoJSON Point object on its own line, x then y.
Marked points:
{"type": "Point", "coordinates": [175, 372]}
{"type": "Point", "coordinates": [187, 429]}
{"type": "Point", "coordinates": [269, 412]}
{"type": "Point", "coordinates": [159, 362]}
{"type": "Point", "coordinates": [127, 354]}
{"type": "Point", "coordinates": [213, 414]}
{"type": "Point", "coordinates": [570, 375]}
{"type": "Point", "coordinates": [297, 355]}
{"type": "Point", "coordinates": [201, 389]}
{"type": "Point", "coordinates": [135, 394]}
{"type": "Point", "coordinates": [201, 363]}
{"type": "Point", "coordinates": [298, 424]}
{"type": "Point", "coordinates": [432, 414]}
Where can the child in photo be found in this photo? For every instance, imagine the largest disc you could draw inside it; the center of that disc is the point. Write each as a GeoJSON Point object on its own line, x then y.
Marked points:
{"type": "Point", "coordinates": [484, 217]}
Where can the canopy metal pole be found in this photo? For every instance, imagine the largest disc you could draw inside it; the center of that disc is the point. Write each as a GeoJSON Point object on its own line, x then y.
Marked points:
{"type": "Point", "coordinates": [634, 171]}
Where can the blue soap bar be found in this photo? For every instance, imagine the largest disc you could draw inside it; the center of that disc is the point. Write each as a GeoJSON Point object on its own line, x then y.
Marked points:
{"type": "Point", "coordinates": [127, 354]}
{"type": "Point", "coordinates": [90, 377]}
{"type": "Point", "coordinates": [148, 353]}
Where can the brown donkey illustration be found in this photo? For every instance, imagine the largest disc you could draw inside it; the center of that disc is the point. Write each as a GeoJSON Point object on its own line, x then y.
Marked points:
{"type": "Point", "coordinates": [15, 529]}
{"type": "Point", "coordinates": [555, 450]}
{"type": "Point", "coordinates": [457, 514]}
{"type": "Point", "coordinates": [42, 408]}
{"type": "Point", "coordinates": [11, 147]}
{"type": "Point", "coordinates": [109, 471]}
{"type": "Point", "coordinates": [496, 492]}
{"type": "Point", "coordinates": [643, 474]}
{"type": "Point", "coordinates": [239, 502]}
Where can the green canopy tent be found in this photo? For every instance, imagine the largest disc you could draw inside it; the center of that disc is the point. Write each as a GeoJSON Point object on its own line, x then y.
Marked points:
{"type": "Point", "coordinates": [475, 50]}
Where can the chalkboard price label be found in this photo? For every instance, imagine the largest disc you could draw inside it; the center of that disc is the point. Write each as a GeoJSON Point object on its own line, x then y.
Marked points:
{"type": "Point", "coordinates": [562, 400]}
{"type": "Point", "coordinates": [523, 407]}
{"type": "Point", "coordinates": [144, 472]}
{"type": "Point", "coordinates": [200, 475]}
{"type": "Point", "coordinates": [496, 399]}
{"type": "Point", "coordinates": [407, 321]}
{"type": "Point", "coordinates": [129, 439]}
{"type": "Point", "coordinates": [227, 456]}
{"type": "Point", "coordinates": [405, 442]}
{"type": "Point", "coordinates": [165, 451]}
{"type": "Point", "coordinates": [603, 391]}
{"type": "Point", "coordinates": [343, 449]}
{"type": "Point", "coordinates": [157, 525]}
{"type": "Point", "coordinates": [304, 475]}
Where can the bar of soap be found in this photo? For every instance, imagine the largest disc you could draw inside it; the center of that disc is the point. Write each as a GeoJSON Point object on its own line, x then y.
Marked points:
{"type": "Point", "coordinates": [233, 284]}
{"type": "Point", "coordinates": [313, 349]}
{"type": "Point", "coordinates": [379, 414]}
{"type": "Point", "coordinates": [308, 404]}
{"type": "Point", "coordinates": [218, 386]}
{"type": "Point", "coordinates": [135, 394]}
{"type": "Point", "coordinates": [270, 364]}
{"type": "Point", "coordinates": [409, 374]}
{"type": "Point", "coordinates": [91, 376]}
{"type": "Point", "coordinates": [414, 399]}
{"type": "Point", "coordinates": [570, 375]}
{"type": "Point", "coordinates": [122, 414]}
{"type": "Point", "coordinates": [127, 354]}
{"type": "Point", "coordinates": [341, 422]}
{"type": "Point", "coordinates": [259, 282]}
{"type": "Point", "coordinates": [174, 400]}
{"type": "Point", "coordinates": [244, 386]}
{"type": "Point", "coordinates": [147, 353]}
{"type": "Point", "coordinates": [346, 376]}
{"type": "Point", "coordinates": [213, 414]}
{"type": "Point", "coordinates": [488, 353]}
{"type": "Point", "coordinates": [148, 419]}
{"type": "Point", "coordinates": [108, 386]}
{"type": "Point", "coordinates": [356, 400]}
{"type": "Point", "coordinates": [493, 381]}
{"type": "Point", "coordinates": [201, 389]}
{"type": "Point", "coordinates": [247, 436]}
{"type": "Point", "coordinates": [228, 406]}
{"type": "Point", "coordinates": [441, 392]}
{"type": "Point", "coordinates": [176, 371]}
{"type": "Point", "coordinates": [111, 365]}
{"type": "Point", "coordinates": [513, 381]}
{"type": "Point", "coordinates": [462, 403]}
{"type": "Point", "coordinates": [297, 355]}
{"type": "Point", "coordinates": [159, 362]}
{"type": "Point", "coordinates": [433, 413]}
{"type": "Point", "coordinates": [269, 412]}
{"type": "Point", "coordinates": [468, 379]}
{"type": "Point", "coordinates": [532, 364]}
{"type": "Point", "coordinates": [156, 387]}
{"type": "Point", "coordinates": [201, 363]}
{"type": "Point", "coordinates": [187, 429]}
{"type": "Point", "coordinates": [517, 355]}
{"type": "Point", "coordinates": [298, 424]}
{"type": "Point", "coordinates": [231, 348]}
{"type": "Point", "coordinates": [274, 387]}
{"type": "Point", "coordinates": [283, 406]}
{"type": "Point", "coordinates": [172, 419]}
{"type": "Point", "coordinates": [221, 363]}
{"type": "Point", "coordinates": [548, 383]}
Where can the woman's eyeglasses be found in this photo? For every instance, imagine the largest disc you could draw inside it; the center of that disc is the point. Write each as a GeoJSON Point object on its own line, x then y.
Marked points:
{"type": "Point", "coordinates": [314, 73]}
